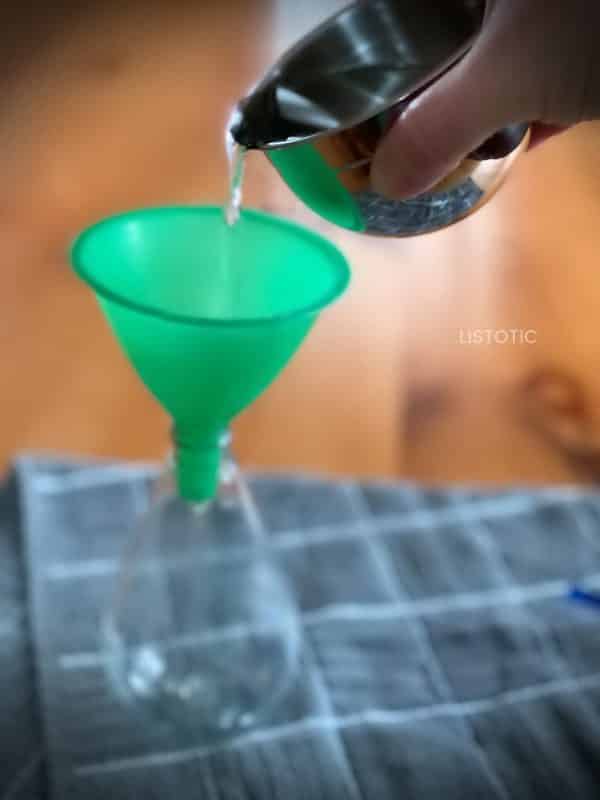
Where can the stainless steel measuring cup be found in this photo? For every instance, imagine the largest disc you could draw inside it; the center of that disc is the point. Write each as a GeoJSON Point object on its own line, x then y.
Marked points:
{"type": "Point", "coordinates": [321, 111]}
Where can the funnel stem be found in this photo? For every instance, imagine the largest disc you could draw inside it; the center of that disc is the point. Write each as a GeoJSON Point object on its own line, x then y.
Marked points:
{"type": "Point", "coordinates": [197, 466]}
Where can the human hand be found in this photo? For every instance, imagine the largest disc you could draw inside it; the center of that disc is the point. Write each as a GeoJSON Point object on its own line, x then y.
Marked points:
{"type": "Point", "coordinates": [534, 61]}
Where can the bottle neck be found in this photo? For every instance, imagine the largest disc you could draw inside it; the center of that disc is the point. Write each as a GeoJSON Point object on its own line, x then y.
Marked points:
{"type": "Point", "coordinates": [209, 476]}
{"type": "Point", "coordinates": [197, 465]}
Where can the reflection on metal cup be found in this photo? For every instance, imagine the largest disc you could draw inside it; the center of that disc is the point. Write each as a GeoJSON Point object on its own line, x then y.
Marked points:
{"type": "Point", "coordinates": [321, 112]}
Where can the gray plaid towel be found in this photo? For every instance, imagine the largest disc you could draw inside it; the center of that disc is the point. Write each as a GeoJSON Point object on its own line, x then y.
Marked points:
{"type": "Point", "coordinates": [442, 657]}
{"type": "Point", "coordinates": [21, 752]}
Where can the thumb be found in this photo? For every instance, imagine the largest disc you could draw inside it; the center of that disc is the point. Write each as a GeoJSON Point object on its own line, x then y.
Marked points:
{"type": "Point", "coordinates": [451, 119]}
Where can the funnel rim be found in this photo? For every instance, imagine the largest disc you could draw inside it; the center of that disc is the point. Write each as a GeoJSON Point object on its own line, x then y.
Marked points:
{"type": "Point", "coordinates": [336, 257]}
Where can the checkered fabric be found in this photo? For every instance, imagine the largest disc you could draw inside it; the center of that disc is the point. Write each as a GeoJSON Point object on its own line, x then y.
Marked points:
{"type": "Point", "coordinates": [21, 750]}
{"type": "Point", "coordinates": [442, 656]}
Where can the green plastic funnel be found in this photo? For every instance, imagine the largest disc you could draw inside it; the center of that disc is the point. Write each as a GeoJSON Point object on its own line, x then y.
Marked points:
{"type": "Point", "coordinates": [208, 315]}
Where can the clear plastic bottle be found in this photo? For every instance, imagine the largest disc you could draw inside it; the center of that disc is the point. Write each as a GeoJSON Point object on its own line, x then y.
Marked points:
{"type": "Point", "coordinates": [202, 629]}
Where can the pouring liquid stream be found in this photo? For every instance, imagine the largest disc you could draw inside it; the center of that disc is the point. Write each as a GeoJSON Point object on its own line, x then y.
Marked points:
{"type": "Point", "coordinates": [237, 161]}
{"type": "Point", "coordinates": [228, 287]}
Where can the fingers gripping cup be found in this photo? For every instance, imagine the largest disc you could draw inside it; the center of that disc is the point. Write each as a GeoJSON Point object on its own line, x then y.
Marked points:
{"type": "Point", "coordinates": [320, 113]}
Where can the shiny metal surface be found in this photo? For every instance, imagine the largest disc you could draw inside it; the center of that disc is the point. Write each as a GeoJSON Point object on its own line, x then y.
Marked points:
{"type": "Point", "coordinates": [359, 63]}
{"type": "Point", "coordinates": [459, 196]}
{"type": "Point", "coordinates": [340, 89]}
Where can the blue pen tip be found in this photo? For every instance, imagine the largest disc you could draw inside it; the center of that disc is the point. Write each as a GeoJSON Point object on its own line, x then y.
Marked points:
{"type": "Point", "coordinates": [580, 595]}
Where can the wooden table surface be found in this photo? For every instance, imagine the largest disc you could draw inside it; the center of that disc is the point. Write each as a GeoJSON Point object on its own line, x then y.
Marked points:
{"type": "Point", "coordinates": [126, 106]}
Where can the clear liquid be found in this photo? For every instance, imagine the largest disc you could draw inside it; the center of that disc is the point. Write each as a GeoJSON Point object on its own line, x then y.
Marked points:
{"type": "Point", "coordinates": [228, 290]}
{"type": "Point", "coordinates": [237, 162]}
